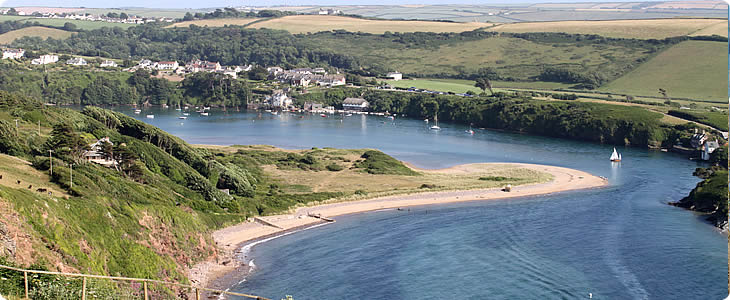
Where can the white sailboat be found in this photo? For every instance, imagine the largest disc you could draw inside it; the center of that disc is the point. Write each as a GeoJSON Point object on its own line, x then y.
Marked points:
{"type": "Point", "coordinates": [436, 123]}
{"type": "Point", "coordinates": [615, 156]}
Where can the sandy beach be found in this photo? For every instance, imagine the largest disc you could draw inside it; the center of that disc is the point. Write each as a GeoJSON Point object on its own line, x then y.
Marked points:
{"type": "Point", "coordinates": [231, 239]}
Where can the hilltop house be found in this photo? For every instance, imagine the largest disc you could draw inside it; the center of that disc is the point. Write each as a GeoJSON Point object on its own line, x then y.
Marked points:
{"type": "Point", "coordinates": [13, 53]}
{"type": "Point", "coordinates": [355, 104]}
{"type": "Point", "coordinates": [395, 75]}
{"type": "Point", "coordinates": [108, 64]}
{"type": "Point", "coordinates": [77, 61]}
{"type": "Point", "coordinates": [45, 59]}
{"type": "Point", "coordinates": [329, 11]}
{"type": "Point", "coordinates": [96, 155]}
{"type": "Point", "coordinates": [166, 65]}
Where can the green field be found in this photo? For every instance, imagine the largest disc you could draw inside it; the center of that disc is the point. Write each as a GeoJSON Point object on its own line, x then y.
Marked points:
{"type": "Point", "coordinates": [691, 69]}
{"type": "Point", "coordinates": [317, 23]}
{"type": "Point", "coordinates": [461, 85]}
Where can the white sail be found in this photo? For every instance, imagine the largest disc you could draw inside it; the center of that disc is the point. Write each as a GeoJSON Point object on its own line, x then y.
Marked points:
{"type": "Point", "coordinates": [615, 155]}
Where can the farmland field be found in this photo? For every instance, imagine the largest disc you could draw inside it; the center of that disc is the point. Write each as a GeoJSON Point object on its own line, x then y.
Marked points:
{"type": "Point", "coordinates": [316, 23]}
{"type": "Point", "coordinates": [36, 31]}
{"type": "Point", "coordinates": [510, 57]}
{"type": "Point", "coordinates": [642, 29]}
{"type": "Point", "coordinates": [216, 22]}
{"type": "Point", "coordinates": [691, 69]}
{"type": "Point", "coordinates": [461, 85]}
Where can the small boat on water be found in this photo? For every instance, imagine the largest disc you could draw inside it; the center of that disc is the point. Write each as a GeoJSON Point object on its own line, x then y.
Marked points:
{"type": "Point", "coordinates": [348, 115]}
{"type": "Point", "coordinates": [137, 111]}
{"type": "Point", "coordinates": [182, 118]}
{"type": "Point", "coordinates": [204, 114]}
{"type": "Point", "coordinates": [470, 131]}
{"type": "Point", "coordinates": [615, 156]}
{"type": "Point", "coordinates": [186, 114]}
{"type": "Point", "coordinates": [436, 124]}
{"type": "Point", "coordinates": [391, 117]}
{"type": "Point", "coordinates": [323, 115]}
{"type": "Point", "coordinates": [150, 116]}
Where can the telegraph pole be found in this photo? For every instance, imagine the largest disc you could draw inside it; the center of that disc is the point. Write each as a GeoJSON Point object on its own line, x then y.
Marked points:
{"type": "Point", "coordinates": [50, 158]}
{"type": "Point", "coordinates": [72, 175]}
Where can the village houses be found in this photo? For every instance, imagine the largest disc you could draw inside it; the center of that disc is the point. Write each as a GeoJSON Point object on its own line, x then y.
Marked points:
{"type": "Point", "coordinates": [45, 59]}
{"type": "Point", "coordinates": [395, 75]}
{"type": "Point", "coordinates": [13, 53]}
{"type": "Point", "coordinates": [306, 76]}
{"type": "Point", "coordinates": [166, 65]}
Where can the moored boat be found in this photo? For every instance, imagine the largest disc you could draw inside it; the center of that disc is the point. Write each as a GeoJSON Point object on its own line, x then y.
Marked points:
{"type": "Point", "coordinates": [615, 156]}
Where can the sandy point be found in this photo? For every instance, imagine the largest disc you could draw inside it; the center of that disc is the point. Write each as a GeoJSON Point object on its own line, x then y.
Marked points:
{"type": "Point", "coordinates": [231, 239]}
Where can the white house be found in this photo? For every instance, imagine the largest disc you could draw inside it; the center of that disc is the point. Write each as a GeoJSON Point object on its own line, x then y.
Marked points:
{"type": "Point", "coordinates": [108, 64]}
{"type": "Point", "coordinates": [77, 61]}
{"type": "Point", "coordinates": [355, 104]}
{"type": "Point", "coordinates": [167, 65]}
{"type": "Point", "coordinates": [45, 59]}
{"type": "Point", "coordinates": [709, 147]}
{"type": "Point", "coordinates": [395, 75]}
{"type": "Point", "coordinates": [95, 153]}
{"type": "Point", "coordinates": [279, 99]}
{"type": "Point", "coordinates": [145, 63]}
{"type": "Point", "coordinates": [13, 53]}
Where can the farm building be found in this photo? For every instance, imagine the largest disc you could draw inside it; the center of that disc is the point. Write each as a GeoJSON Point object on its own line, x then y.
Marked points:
{"type": "Point", "coordinates": [355, 104]}
{"type": "Point", "coordinates": [166, 65]}
{"type": "Point", "coordinates": [709, 148]}
{"type": "Point", "coordinates": [395, 75]}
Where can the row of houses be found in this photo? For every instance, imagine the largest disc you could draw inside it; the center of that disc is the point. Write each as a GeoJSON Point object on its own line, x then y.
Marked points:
{"type": "Point", "coordinates": [13, 53]}
{"type": "Point", "coordinates": [193, 66]}
{"type": "Point", "coordinates": [306, 76]}
{"type": "Point", "coordinates": [87, 17]}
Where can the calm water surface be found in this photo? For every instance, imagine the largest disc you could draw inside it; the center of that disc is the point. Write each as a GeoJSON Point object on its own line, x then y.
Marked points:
{"type": "Point", "coordinates": [620, 242]}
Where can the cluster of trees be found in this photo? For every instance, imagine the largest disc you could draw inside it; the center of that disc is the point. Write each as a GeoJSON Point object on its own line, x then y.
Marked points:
{"type": "Point", "coordinates": [589, 80]}
{"type": "Point", "coordinates": [229, 12]}
{"type": "Point", "coordinates": [116, 88]}
{"type": "Point", "coordinates": [710, 196]}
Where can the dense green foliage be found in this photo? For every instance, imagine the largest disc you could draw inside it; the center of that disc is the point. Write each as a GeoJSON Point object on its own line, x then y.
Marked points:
{"type": "Point", "coordinates": [710, 196]}
{"type": "Point", "coordinates": [376, 162]}
{"type": "Point", "coordinates": [119, 88]}
{"type": "Point", "coordinates": [715, 119]}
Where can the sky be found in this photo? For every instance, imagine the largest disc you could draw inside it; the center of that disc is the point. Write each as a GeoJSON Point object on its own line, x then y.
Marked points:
{"type": "Point", "coordinates": [223, 3]}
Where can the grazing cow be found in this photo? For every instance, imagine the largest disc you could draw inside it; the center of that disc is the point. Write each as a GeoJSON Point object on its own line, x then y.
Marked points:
{"type": "Point", "coordinates": [30, 186]}
{"type": "Point", "coordinates": [41, 190]}
{"type": "Point", "coordinates": [1, 176]}
{"type": "Point", "coordinates": [18, 181]}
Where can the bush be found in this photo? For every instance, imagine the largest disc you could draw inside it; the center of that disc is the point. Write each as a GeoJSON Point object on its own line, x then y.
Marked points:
{"type": "Point", "coordinates": [335, 167]}
{"type": "Point", "coordinates": [496, 178]}
{"type": "Point", "coordinates": [377, 162]}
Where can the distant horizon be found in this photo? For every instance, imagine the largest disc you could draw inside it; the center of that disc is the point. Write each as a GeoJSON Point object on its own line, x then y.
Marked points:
{"type": "Point", "coordinates": [188, 4]}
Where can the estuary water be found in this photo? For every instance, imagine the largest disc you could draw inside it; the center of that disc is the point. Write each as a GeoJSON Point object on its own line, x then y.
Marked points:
{"type": "Point", "coordinates": [619, 242]}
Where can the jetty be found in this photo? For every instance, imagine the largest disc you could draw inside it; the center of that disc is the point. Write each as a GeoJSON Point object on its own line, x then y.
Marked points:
{"type": "Point", "coordinates": [321, 217]}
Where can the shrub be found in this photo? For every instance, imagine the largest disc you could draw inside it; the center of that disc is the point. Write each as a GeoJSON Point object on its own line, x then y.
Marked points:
{"type": "Point", "coordinates": [335, 167]}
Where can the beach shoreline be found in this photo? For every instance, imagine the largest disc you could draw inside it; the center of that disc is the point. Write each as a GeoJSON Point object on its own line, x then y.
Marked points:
{"type": "Point", "coordinates": [225, 269]}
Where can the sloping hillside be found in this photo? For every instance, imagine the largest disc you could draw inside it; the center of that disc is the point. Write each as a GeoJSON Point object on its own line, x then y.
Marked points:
{"type": "Point", "coordinates": [34, 31]}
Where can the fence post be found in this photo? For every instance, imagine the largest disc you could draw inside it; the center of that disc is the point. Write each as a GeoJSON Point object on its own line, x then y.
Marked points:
{"type": "Point", "coordinates": [83, 289]}
{"type": "Point", "coordinates": [197, 294]}
{"type": "Point", "coordinates": [145, 290]}
{"type": "Point", "coordinates": [25, 277]}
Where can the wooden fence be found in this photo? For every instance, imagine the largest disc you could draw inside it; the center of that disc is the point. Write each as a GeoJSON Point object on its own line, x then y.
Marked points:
{"type": "Point", "coordinates": [144, 282]}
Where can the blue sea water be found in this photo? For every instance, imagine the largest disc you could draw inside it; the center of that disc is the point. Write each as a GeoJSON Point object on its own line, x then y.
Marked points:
{"type": "Point", "coordinates": [619, 242]}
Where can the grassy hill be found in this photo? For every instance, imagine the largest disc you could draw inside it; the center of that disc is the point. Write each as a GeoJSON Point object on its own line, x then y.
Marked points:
{"type": "Point", "coordinates": [34, 31]}
{"type": "Point", "coordinates": [691, 69]}
{"type": "Point", "coordinates": [640, 29]}
{"type": "Point", "coordinates": [316, 23]}
{"type": "Point", "coordinates": [215, 22]}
